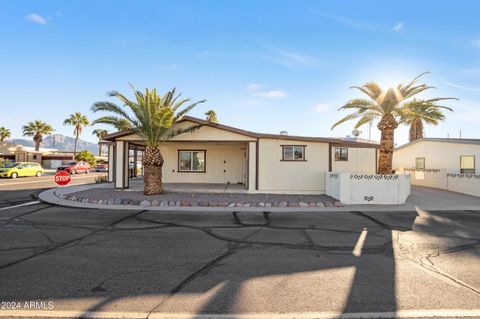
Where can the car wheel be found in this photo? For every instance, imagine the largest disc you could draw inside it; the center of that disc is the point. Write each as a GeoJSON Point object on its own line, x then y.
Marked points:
{"type": "Point", "coordinates": [14, 175]}
{"type": "Point", "coordinates": [38, 174]}
{"type": "Point", "coordinates": [73, 172]}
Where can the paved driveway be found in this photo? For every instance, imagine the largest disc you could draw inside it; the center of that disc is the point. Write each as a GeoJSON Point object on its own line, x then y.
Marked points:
{"type": "Point", "coordinates": [150, 262]}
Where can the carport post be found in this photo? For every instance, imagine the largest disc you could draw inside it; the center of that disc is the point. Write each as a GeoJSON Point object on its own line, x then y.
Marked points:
{"type": "Point", "coordinates": [252, 167]}
{"type": "Point", "coordinates": [111, 162]}
{"type": "Point", "coordinates": [121, 164]}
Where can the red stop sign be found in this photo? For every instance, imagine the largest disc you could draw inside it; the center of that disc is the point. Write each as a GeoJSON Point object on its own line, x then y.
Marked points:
{"type": "Point", "coordinates": [62, 178]}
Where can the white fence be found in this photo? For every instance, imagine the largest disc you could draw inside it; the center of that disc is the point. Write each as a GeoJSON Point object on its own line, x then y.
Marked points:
{"type": "Point", "coordinates": [439, 178]}
{"type": "Point", "coordinates": [368, 189]}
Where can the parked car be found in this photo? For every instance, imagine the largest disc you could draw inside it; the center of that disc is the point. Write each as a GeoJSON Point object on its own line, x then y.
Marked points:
{"type": "Point", "coordinates": [101, 168]}
{"type": "Point", "coordinates": [17, 169]}
{"type": "Point", "coordinates": [75, 168]}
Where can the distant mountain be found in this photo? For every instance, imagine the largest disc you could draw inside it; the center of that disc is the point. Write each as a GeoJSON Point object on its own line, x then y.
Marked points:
{"type": "Point", "coordinates": [60, 142]}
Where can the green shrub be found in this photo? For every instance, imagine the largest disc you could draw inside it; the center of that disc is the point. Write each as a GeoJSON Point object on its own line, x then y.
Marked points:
{"type": "Point", "coordinates": [86, 156]}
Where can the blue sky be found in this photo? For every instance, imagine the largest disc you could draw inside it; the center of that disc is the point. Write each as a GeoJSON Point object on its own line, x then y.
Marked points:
{"type": "Point", "coordinates": [264, 66]}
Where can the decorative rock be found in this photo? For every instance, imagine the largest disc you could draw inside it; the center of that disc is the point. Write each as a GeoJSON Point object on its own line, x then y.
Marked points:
{"type": "Point", "coordinates": [239, 205]}
{"type": "Point", "coordinates": [261, 204]}
{"type": "Point", "coordinates": [177, 203]}
{"type": "Point", "coordinates": [203, 204]}
{"type": "Point", "coordinates": [184, 203]}
{"type": "Point", "coordinates": [212, 204]}
{"type": "Point", "coordinates": [192, 203]}
{"type": "Point", "coordinates": [275, 204]}
{"type": "Point", "coordinates": [134, 202]}
{"type": "Point", "coordinates": [111, 201]}
{"type": "Point", "coordinates": [125, 201]}
{"type": "Point", "coordinates": [74, 198]}
{"type": "Point", "coordinates": [328, 204]}
{"type": "Point", "coordinates": [338, 204]}
{"type": "Point", "coordinates": [145, 203]}
{"type": "Point", "coordinates": [303, 204]}
{"type": "Point", "coordinates": [247, 205]}
{"type": "Point", "coordinates": [293, 204]}
{"type": "Point", "coordinates": [312, 204]}
{"type": "Point", "coordinates": [222, 204]}
{"type": "Point", "coordinates": [268, 205]}
{"type": "Point", "coordinates": [100, 201]}
{"type": "Point", "coordinates": [92, 201]}
{"type": "Point", "coordinates": [118, 201]}
{"type": "Point", "coordinates": [231, 205]}
{"type": "Point", "coordinates": [171, 203]}
{"type": "Point", "coordinates": [320, 204]}
{"type": "Point", "coordinates": [155, 202]}
{"type": "Point", "coordinates": [283, 204]}
{"type": "Point", "coordinates": [164, 203]}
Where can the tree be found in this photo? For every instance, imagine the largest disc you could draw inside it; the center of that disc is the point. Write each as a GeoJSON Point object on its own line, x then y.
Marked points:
{"type": "Point", "coordinates": [388, 106]}
{"type": "Point", "coordinates": [37, 129]}
{"type": "Point", "coordinates": [418, 112]}
{"type": "Point", "coordinates": [4, 133]}
{"type": "Point", "coordinates": [78, 121]}
{"type": "Point", "coordinates": [153, 118]}
{"type": "Point", "coordinates": [86, 156]}
{"type": "Point", "coordinates": [100, 133]}
{"type": "Point", "coordinates": [211, 116]}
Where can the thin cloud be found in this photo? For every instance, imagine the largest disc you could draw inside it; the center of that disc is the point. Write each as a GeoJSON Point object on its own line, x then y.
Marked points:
{"type": "Point", "coordinates": [273, 94]}
{"type": "Point", "coordinates": [398, 27]}
{"type": "Point", "coordinates": [349, 22]}
{"type": "Point", "coordinates": [322, 108]}
{"type": "Point", "coordinates": [35, 18]}
{"type": "Point", "coordinates": [462, 87]}
{"type": "Point", "coordinates": [254, 87]}
{"type": "Point", "coordinates": [168, 67]}
{"type": "Point", "coordinates": [291, 59]}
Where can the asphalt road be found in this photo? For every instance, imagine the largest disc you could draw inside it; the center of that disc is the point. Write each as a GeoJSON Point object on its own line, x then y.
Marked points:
{"type": "Point", "coordinates": [147, 263]}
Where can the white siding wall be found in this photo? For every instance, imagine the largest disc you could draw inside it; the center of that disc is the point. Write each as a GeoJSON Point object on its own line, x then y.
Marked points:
{"type": "Point", "coordinates": [224, 163]}
{"type": "Point", "coordinates": [438, 155]}
{"type": "Point", "coordinates": [360, 161]}
{"type": "Point", "coordinates": [292, 177]}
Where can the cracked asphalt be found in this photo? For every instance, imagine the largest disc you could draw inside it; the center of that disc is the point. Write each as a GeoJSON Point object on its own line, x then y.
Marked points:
{"type": "Point", "coordinates": [205, 262]}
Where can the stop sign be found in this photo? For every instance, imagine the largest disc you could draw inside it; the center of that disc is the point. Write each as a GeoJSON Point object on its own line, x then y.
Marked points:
{"type": "Point", "coordinates": [62, 178]}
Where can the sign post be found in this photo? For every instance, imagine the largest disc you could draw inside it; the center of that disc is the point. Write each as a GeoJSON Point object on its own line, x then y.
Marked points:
{"type": "Point", "coordinates": [62, 178]}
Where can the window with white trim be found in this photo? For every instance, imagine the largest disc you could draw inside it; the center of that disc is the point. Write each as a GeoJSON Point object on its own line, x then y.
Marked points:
{"type": "Point", "coordinates": [293, 152]}
{"type": "Point", "coordinates": [420, 163]}
{"type": "Point", "coordinates": [341, 154]}
{"type": "Point", "coordinates": [191, 161]}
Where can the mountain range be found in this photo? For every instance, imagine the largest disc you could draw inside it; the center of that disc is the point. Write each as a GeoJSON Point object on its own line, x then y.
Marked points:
{"type": "Point", "coordinates": [59, 142]}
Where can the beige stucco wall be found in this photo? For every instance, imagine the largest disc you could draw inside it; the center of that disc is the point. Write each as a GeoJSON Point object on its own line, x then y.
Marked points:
{"type": "Point", "coordinates": [204, 133]}
{"type": "Point", "coordinates": [438, 155]}
{"type": "Point", "coordinates": [360, 161]}
{"type": "Point", "coordinates": [292, 177]}
{"type": "Point", "coordinates": [224, 163]}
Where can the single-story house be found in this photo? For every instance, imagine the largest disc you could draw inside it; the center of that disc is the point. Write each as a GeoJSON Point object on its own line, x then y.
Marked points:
{"type": "Point", "coordinates": [47, 157]}
{"type": "Point", "coordinates": [453, 155]}
{"type": "Point", "coordinates": [216, 153]}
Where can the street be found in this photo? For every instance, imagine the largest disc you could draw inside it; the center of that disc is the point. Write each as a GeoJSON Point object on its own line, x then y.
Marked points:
{"type": "Point", "coordinates": [74, 262]}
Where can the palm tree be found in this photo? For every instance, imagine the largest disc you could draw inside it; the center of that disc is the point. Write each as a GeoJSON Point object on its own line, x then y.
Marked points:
{"type": "Point", "coordinates": [388, 106]}
{"type": "Point", "coordinates": [152, 117]}
{"type": "Point", "coordinates": [37, 129]}
{"type": "Point", "coordinates": [418, 112]}
{"type": "Point", "coordinates": [4, 133]}
{"type": "Point", "coordinates": [100, 133]}
{"type": "Point", "coordinates": [78, 121]}
{"type": "Point", "coordinates": [211, 116]}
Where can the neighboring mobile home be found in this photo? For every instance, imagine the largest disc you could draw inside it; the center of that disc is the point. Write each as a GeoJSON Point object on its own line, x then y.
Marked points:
{"type": "Point", "coordinates": [217, 153]}
{"type": "Point", "coordinates": [452, 155]}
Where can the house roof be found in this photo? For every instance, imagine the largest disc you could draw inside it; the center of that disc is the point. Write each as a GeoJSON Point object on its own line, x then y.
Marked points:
{"type": "Point", "coordinates": [336, 141]}
{"type": "Point", "coordinates": [475, 141]}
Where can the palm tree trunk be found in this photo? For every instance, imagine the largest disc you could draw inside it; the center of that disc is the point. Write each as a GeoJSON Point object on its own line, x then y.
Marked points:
{"type": "Point", "coordinates": [99, 149]}
{"type": "Point", "coordinates": [75, 147]}
{"type": "Point", "coordinates": [37, 145]}
{"type": "Point", "coordinates": [416, 130]}
{"type": "Point", "coordinates": [152, 163]}
{"type": "Point", "coordinates": [387, 126]}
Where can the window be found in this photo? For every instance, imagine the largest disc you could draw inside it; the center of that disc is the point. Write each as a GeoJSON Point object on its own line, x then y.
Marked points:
{"type": "Point", "coordinates": [467, 164]}
{"type": "Point", "coordinates": [420, 163]}
{"type": "Point", "coordinates": [293, 152]}
{"type": "Point", "coordinates": [341, 154]}
{"type": "Point", "coordinates": [191, 161]}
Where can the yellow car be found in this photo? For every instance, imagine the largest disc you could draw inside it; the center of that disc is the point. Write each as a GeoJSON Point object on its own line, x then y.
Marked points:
{"type": "Point", "coordinates": [18, 169]}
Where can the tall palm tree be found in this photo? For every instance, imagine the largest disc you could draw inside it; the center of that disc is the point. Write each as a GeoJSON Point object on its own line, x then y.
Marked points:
{"type": "Point", "coordinates": [152, 117]}
{"type": "Point", "coordinates": [4, 133]}
{"type": "Point", "coordinates": [78, 121]}
{"type": "Point", "coordinates": [418, 112]}
{"type": "Point", "coordinates": [100, 133]}
{"type": "Point", "coordinates": [37, 129]}
{"type": "Point", "coordinates": [386, 105]}
{"type": "Point", "coordinates": [211, 116]}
